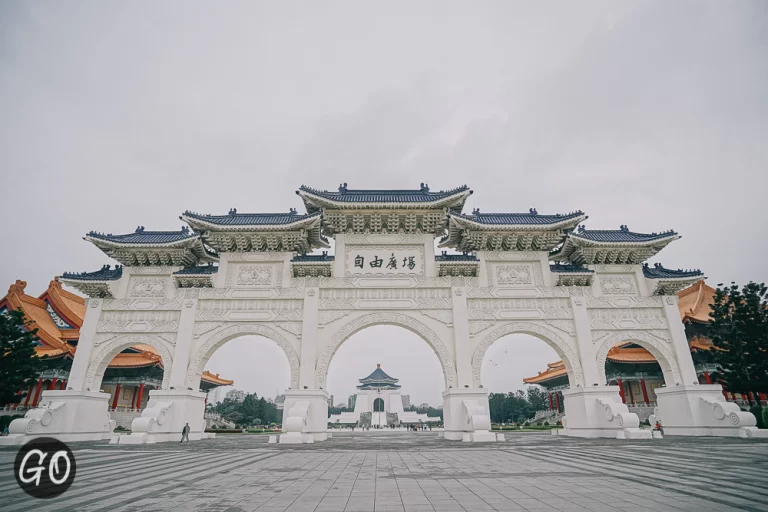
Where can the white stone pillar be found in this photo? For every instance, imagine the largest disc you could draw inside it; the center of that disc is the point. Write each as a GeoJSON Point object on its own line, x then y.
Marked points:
{"type": "Point", "coordinates": [679, 343]}
{"type": "Point", "coordinates": [85, 343]}
{"type": "Point", "coordinates": [586, 349]}
{"type": "Point", "coordinates": [461, 345]}
{"type": "Point", "coordinates": [308, 356]}
{"type": "Point", "coordinates": [181, 352]}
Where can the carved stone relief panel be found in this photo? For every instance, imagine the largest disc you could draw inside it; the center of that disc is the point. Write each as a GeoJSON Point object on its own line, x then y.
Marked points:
{"type": "Point", "coordinates": [505, 309]}
{"type": "Point", "coordinates": [373, 298]}
{"type": "Point", "coordinates": [638, 318]}
{"type": "Point", "coordinates": [139, 321]}
{"type": "Point", "coordinates": [392, 238]}
{"type": "Point", "coordinates": [383, 260]}
{"type": "Point", "coordinates": [147, 287]}
{"type": "Point", "coordinates": [514, 274]}
{"type": "Point", "coordinates": [618, 284]}
{"type": "Point", "coordinates": [256, 275]}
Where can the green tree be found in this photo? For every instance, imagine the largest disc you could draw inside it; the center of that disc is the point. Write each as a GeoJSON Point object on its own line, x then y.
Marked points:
{"type": "Point", "coordinates": [739, 332]}
{"type": "Point", "coordinates": [18, 361]}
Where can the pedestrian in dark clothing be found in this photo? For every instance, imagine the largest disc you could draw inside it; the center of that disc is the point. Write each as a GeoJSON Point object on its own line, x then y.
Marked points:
{"type": "Point", "coordinates": [185, 433]}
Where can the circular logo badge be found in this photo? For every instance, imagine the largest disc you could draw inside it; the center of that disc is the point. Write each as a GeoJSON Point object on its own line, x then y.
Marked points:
{"type": "Point", "coordinates": [45, 468]}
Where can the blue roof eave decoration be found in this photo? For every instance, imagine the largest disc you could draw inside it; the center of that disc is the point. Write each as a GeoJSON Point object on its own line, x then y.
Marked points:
{"type": "Point", "coordinates": [145, 238]}
{"type": "Point", "coordinates": [621, 236]}
{"type": "Point", "coordinates": [313, 258]}
{"type": "Point", "coordinates": [659, 272]}
{"type": "Point", "coordinates": [241, 221]}
{"type": "Point", "coordinates": [199, 270]}
{"type": "Point", "coordinates": [346, 197]}
{"type": "Point", "coordinates": [520, 220]}
{"type": "Point", "coordinates": [104, 274]}
{"type": "Point", "coordinates": [456, 258]}
{"type": "Point", "coordinates": [560, 268]}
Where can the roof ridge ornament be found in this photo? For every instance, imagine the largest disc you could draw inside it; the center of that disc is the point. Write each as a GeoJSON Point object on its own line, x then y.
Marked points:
{"type": "Point", "coordinates": [233, 211]}
{"type": "Point", "coordinates": [476, 211]}
{"type": "Point", "coordinates": [424, 188]}
{"type": "Point", "coordinates": [292, 211]}
{"type": "Point", "coordinates": [582, 228]}
{"type": "Point", "coordinates": [533, 211]}
{"type": "Point", "coordinates": [185, 230]}
{"type": "Point", "coordinates": [343, 188]}
{"type": "Point", "coordinates": [623, 228]}
{"type": "Point", "coordinates": [139, 229]}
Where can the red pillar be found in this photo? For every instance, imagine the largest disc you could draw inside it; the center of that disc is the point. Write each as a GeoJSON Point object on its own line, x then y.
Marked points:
{"type": "Point", "coordinates": [733, 397]}
{"type": "Point", "coordinates": [707, 379]}
{"type": "Point", "coordinates": [37, 392]}
{"type": "Point", "coordinates": [631, 396]}
{"type": "Point", "coordinates": [138, 395]}
{"type": "Point", "coordinates": [52, 384]}
{"type": "Point", "coordinates": [621, 390]}
{"type": "Point", "coordinates": [645, 391]}
{"type": "Point", "coordinates": [117, 395]}
{"type": "Point", "coordinates": [64, 384]}
{"type": "Point", "coordinates": [751, 397]}
{"type": "Point", "coordinates": [557, 401]}
{"type": "Point", "coordinates": [743, 397]}
{"type": "Point", "coordinates": [29, 394]}
{"type": "Point", "coordinates": [763, 397]}
{"type": "Point", "coordinates": [551, 405]}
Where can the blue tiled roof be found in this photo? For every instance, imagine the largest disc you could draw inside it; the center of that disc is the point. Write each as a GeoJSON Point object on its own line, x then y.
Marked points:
{"type": "Point", "coordinates": [570, 269]}
{"type": "Point", "coordinates": [305, 258]}
{"type": "Point", "coordinates": [250, 219]}
{"type": "Point", "coordinates": [105, 274]}
{"type": "Point", "coordinates": [346, 195]}
{"type": "Point", "coordinates": [659, 272]}
{"type": "Point", "coordinates": [532, 217]}
{"type": "Point", "coordinates": [622, 235]}
{"type": "Point", "coordinates": [378, 375]}
{"type": "Point", "coordinates": [455, 257]}
{"type": "Point", "coordinates": [197, 270]}
{"type": "Point", "coordinates": [140, 236]}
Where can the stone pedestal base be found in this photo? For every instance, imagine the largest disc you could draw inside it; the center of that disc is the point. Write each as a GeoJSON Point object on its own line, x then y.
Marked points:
{"type": "Point", "coordinates": [700, 410]}
{"type": "Point", "coordinates": [599, 412]}
{"type": "Point", "coordinates": [466, 415]}
{"type": "Point", "coordinates": [305, 416]}
{"type": "Point", "coordinates": [66, 416]}
{"type": "Point", "coordinates": [165, 416]}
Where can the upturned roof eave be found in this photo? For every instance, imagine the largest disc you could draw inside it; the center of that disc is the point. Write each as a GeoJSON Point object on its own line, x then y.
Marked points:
{"type": "Point", "coordinates": [564, 223]}
{"type": "Point", "coordinates": [636, 243]}
{"type": "Point", "coordinates": [319, 202]}
{"type": "Point", "coordinates": [98, 241]}
{"type": "Point", "coordinates": [197, 222]}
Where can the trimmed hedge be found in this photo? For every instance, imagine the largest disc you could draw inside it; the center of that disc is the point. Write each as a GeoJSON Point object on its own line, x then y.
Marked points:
{"type": "Point", "coordinates": [6, 420]}
{"type": "Point", "coordinates": [225, 430]}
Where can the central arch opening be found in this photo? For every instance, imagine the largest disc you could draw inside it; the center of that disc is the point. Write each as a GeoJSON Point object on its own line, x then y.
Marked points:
{"type": "Point", "coordinates": [385, 376]}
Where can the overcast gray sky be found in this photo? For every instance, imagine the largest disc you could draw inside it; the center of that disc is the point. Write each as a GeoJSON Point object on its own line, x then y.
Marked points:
{"type": "Point", "coordinates": [652, 114]}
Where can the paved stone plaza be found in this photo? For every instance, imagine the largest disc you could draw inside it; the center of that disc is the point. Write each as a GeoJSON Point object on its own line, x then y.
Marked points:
{"type": "Point", "coordinates": [384, 471]}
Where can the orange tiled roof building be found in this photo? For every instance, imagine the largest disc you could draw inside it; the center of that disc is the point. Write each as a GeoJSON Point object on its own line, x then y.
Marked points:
{"type": "Point", "coordinates": [58, 315]}
{"type": "Point", "coordinates": [635, 370]}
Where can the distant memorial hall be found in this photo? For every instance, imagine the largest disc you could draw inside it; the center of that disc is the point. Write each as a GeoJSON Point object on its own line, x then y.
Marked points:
{"type": "Point", "coordinates": [379, 403]}
{"type": "Point", "coordinates": [183, 294]}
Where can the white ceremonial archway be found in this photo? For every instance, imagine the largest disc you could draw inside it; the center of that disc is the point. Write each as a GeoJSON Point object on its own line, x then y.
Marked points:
{"type": "Point", "coordinates": [187, 292]}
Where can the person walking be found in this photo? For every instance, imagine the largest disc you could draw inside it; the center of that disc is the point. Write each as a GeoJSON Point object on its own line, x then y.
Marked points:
{"type": "Point", "coordinates": [185, 433]}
